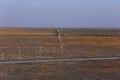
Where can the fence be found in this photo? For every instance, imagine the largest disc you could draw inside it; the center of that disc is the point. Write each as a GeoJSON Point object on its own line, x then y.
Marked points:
{"type": "Point", "coordinates": [18, 53]}
{"type": "Point", "coordinates": [40, 52]}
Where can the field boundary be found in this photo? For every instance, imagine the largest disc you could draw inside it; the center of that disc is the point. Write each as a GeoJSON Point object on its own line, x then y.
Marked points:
{"type": "Point", "coordinates": [59, 60]}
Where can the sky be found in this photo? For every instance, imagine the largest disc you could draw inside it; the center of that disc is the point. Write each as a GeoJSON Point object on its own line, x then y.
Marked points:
{"type": "Point", "coordinates": [60, 13]}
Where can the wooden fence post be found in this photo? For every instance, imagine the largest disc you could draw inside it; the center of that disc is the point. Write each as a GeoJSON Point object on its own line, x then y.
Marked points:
{"type": "Point", "coordinates": [3, 55]}
{"type": "Point", "coordinates": [40, 48]}
{"type": "Point", "coordinates": [19, 53]}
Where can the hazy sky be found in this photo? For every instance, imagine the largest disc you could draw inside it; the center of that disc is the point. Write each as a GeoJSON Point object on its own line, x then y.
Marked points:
{"type": "Point", "coordinates": [60, 13]}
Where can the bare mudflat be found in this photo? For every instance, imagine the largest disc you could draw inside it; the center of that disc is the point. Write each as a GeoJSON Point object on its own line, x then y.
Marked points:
{"type": "Point", "coordinates": [97, 49]}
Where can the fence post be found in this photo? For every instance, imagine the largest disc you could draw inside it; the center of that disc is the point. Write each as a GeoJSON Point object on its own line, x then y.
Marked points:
{"type": "Point", "coordinates": [19, 53]}
{"type": "Point", "coordinates": [62, 47]}
{"type": "Point", "coordinates": [40, 48]}
{"type": "Point", "coordinates": [3, 55]}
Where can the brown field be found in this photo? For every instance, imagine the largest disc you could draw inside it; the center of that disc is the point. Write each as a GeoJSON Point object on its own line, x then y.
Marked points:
{"type": "Point", "coordinates": [24, 44]}
{"type": "Point", "coordinates": [82, 70]}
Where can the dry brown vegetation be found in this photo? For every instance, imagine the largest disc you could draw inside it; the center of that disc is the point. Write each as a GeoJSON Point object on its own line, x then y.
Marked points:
{"type": "Point", "coordinates": [45, 44]}
{"type": "Point", "coordinates": [73, 46]}
{"type": "Point", "coordinates": [82, 70]}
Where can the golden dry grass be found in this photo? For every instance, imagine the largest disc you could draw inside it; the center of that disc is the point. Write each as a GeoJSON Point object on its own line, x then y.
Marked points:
{"type": "Point", "coordinates": [74, 47]}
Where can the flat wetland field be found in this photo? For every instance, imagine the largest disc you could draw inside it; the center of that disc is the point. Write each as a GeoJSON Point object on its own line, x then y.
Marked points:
{"type": "Point", "coordinates": [18, 44]}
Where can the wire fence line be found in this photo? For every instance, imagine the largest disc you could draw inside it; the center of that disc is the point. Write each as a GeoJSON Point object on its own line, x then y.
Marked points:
{"type": "Point", "coordinates": [46, 52]}
{"type": "Point", "coordinates": [39, 54]}
{"type": "Point", "coordinates": [11, 53]}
